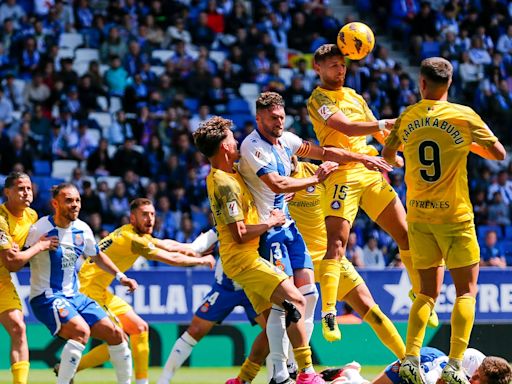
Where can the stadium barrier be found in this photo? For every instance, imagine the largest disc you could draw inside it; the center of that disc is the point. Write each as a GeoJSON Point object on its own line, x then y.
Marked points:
{"type": "Point", "coordinates": [167, 298]}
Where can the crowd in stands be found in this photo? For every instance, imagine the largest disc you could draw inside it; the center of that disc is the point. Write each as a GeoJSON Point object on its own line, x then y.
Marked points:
{"type": "Point", "coordinates": [116, 88]}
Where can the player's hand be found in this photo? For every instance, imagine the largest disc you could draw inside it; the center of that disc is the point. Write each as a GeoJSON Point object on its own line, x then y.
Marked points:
{"type": "Point", "coordinates": [376, 163]}
{"type": "Point", "coordinates": [289, 196]}
{"type": "Point", "coordinates": [208, 261]}
{"type": "Point", "coordinates": [131, 284]}
{"type": "Point", "coordinates": [325, 169]}
{"type": "Point", "coordinates": [276, 218]}
{"type": "Point", "coordinates": [399, 161]}
{"type": "Point", "coordinates": [390, 123]}
{"type": "Point", "coordinates": [48, 243]}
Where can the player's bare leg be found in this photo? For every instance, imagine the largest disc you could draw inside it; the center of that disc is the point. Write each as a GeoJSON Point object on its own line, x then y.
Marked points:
{"type": "Point", "coordinates": [393, 220]}
{"type": "Point", "coordinates": [12, 321]}
{"type": "Point", "coordinates": [77, 333]}
{"type": "Point", "coordinates": [463, 316]}
{"type": "Point", "coordinates": [338, 230]}
{"type": "Point", "coordinates": [138, 330]}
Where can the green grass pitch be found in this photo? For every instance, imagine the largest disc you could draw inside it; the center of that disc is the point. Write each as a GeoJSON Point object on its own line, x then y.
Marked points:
{"type": "Point", "coordinates": [185, 375]}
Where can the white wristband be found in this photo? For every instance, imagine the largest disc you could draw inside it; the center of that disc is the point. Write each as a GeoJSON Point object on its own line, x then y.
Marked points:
{"type": "Point", "coordinates": [119, 276]}
{"type": "Point", "coordinates": [382, 125]}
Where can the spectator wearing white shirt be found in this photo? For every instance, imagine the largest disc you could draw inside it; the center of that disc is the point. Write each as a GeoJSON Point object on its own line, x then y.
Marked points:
{"type": "Point", "coordinates": [477, 53]}
{"type": "Point", "coordinates": [505, 42]}
{"type": "Point", "coordinates": [6, 109]}
{"type": "Point", "coordinates": [372, 255]}
{"type": "Point", "coordinates": [13, 11]}
{"type": "Point", "coordinates": [502, 185]}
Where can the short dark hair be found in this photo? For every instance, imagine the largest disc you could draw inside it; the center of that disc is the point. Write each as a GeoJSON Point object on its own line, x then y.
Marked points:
{"type": "Point", "coordinates": [269, 100]}
{"type": "Point", "coordinates": [139, 202]}
{"type": "Point", "coordinates": [496, 370]}
{"type": "Point", "coordinates": [437, 69]}
{"type": "Point", "coordinates": [59, 187]}
{"type": "Point", "coordinates": [13, 176]}
{"type": "Point", "coordinates": [210, 134]}
{"type": "Point", "coordinates": [325, 52]}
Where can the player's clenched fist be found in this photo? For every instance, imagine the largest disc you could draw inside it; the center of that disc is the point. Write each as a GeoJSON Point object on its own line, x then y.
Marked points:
{"type": "Point", "coordinates": [325, 169]}
{"type": "Point", "coordinates": [131, 284]}
{"type": "Point", "coordinates": [276, 218]}
{"type": "Point", "coordinates": [208, 261]}
{"type": "Point", "coordinates": [376, 163]}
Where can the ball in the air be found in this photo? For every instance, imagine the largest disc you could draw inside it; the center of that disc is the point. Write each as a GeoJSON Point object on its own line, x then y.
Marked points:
{"type": "Point", "coordinates": [355, 40]}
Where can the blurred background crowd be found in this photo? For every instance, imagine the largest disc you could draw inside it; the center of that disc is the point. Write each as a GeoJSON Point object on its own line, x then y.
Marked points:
{"type": "Point", "coordinates": [106, 94]}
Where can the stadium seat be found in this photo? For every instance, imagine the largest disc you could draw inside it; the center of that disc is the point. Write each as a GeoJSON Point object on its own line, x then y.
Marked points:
{"type": "Point", "coordinates": [110, 180]}
{"type": "Point", "coordinates": [45, 183]}
{"type": "Point", "coordinates": [95, 135]}
{"type": "Point", "coordinates": [508, 232]}
{"type": "Point", "coordinates": [191, 104]}
{"type": "Point", "coordinates": [483, 229]}
{"type": "Point", "coordinates": [249, 90]}
{"type": "Point", "coordinates": [86, 55]}
{"type": "Point", "coordinates": [238, 106]}
{"type": "Point", "coordinates": [218, 57]}
{"type": "Point", "coordinates": [103, 68]}
{"type": "Point", "coordinates": [103, 119]}
{"type": "Point", "coordinates": [102, 102]}
{"type": "Point", "coordinates": [430, 49]}
{"type": "Point", "coordinates": [239, 119]}
{"type": "Point", "coordinates": [286, 74]}
{"type": "Point", "coordinates": [161, 55]}
{"type": "Point", "coordinates": [62, 169]}
{"type": "Point", "coordinates": [71, 40]}
{"type": "Point", "coordinates": [42, 168]}
{"type": "Point", "coordinates": [81, 67]}
{"type": "Point", "coordinates": [158, 70]}
{"type": "Point", "coordinates": [115, 104]}
{"type": "Point", "coordinates": [288, 121]}
{"type": "Point", "coordinates": [65, 53]}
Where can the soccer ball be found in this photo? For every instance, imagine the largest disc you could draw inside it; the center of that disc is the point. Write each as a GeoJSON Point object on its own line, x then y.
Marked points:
{"type": "Point", "coordinates": [355, 40]}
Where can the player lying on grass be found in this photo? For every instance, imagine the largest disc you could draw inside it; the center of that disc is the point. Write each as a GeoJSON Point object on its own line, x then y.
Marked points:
{"type": "Point", "coordinates": [477, 368]}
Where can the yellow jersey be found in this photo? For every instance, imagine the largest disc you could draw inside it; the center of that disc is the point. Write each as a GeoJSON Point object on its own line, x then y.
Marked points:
{"type": "Point", "coordinates": [123, 247]}
{"type": "Point", "coordinates": [323, 103]}
{"type": "Point", "coordinates": [306, 210]}
{"type": "Point", "coordinates": [14, 230]}
{"type": "Point", "coordinates": [231, 201]}
{"type": "Point", "coordinates": [437, 136]}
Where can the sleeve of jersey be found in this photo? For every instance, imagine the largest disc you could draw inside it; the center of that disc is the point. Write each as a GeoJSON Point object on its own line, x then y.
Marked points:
{"type": "Point", "coordinates": [5, 237]}
{"type": "Point", "coordinates": [144, 246]}
{"type": "Point", "coordinates": [295, 143]}
{"type": "Point", "coordinates": [91, 247]}
{"type": "Point", "coordinates": [229, 202]}
{"type": "Point", "coordinates": [367, 111]}
{"type": "Point", "coordinates": [33, 234]}
{"type": "Point", "coordinates": [320, 107]}
{"type": "Point", "coordinates": [257, 159]}
{"type": "Point", "coordinates": [480, 132]}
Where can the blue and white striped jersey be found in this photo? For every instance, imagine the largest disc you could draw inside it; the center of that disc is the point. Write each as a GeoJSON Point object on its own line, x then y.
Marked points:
{"type": "Point", "coordinates": [54, 272]}
{"type": "Point", "coordinates": [260, 157]}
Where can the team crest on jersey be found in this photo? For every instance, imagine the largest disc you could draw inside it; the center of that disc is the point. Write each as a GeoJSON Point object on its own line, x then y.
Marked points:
{"type": "Point", "coordinates": [79, 240]}
{"type": "Point", "coordinates": [204, 308]}
{"type": "Point", "coordinates": [310, 189]}
{"type": "Point", "coordinates": [325, 112]}
{"type": "Point", "coordinates": [63, 312]}
{"type": "Point", "coordinates": [3, 238]}
{"type": "Point", "coordinates": [257, 154]}
{"type": "Point", "coordinates": [395, 367]}
{"type": "Point", "coordinates": [232, 208]}
{"type": "Point", "coordinates": [335, 204]}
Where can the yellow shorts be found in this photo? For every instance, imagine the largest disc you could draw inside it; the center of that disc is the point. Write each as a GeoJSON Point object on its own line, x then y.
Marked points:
{"type": "Point", "coordinates": [9, 298]}
{"type": "Point", "coordinates": [434, 244]}
{"type": "Point", "coordinates": [113, 305]}
{"type": "Point", "coordinates": [348, 189]}
{"type": "Point", "coordinates": [259, 282]}
{"type": "Point", "coordinates": [349, 277]}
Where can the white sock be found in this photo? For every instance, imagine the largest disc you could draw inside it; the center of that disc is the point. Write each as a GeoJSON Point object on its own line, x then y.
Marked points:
{"type": "Point", "coordinates": [180, 352]}
{"type": "Point", "coordinates": [69, 360]}
{"type": "Point", "coordinates": [310, 293]}
{"type": "Point", "coordinates": [277, 342]}
{"type": "Point", "coordinates": [121, 359]}
{"type": "Point", "coordinates": [142, 381]}
{"type": "Point", "coordinates": [291, 363]}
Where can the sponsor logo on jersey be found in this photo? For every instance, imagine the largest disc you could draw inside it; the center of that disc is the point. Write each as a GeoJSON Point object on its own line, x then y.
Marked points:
{"type": "Point", "coordinates": [232, 208]}
{"type": "Point", "coordinates": [310, 189]}
{"type": "Point", "coordinates": [3, 238]}
{"type": "Point", "coordinates": [204, 308]}
{"type": "Point", "coordinates": [79, 240]}
{"type": "Point", "coordinates": [335, 204]}
{"type": "Point", "coordinates": [63, 312]}
{"type": "Point", "coordinates": [151, 245]}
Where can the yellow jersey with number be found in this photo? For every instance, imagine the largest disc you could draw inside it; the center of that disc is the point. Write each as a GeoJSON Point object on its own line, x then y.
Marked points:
{"type": "Point", "coordinates": [306, 210]}
{"type": "Point", "coordinates": [323, 103]}
{"type": "Point", "coordinates": [231, 201]}
{"type": "Point", "coordinates": [123, 247]}
{"type": "Point", "coordinates": [14, 230]}
{"type": "Point", "coordinates": [437, 136]}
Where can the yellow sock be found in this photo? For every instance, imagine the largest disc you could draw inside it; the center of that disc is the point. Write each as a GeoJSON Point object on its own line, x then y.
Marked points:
{"type": "Point", "coordinates": [249, 371]}
{"type": "Point", "coordinates": [414, 276]}
{"type": "Point", "coordinates": [303, 358]}
{"type": "Point", "coordinates": [418, 318]}
{"type": "Point", "coordinates": [386, 331]}
{"type": "Point", "coordinates": [330, 270]}
{"type": "Point", "coordinates": [20, 372]}
{"type": "Point", "coordinates": [463, 316]}
{"type": "Point", "coordinates": [140, 354]}
{"type": "Point", "coordinates": [96, 356]}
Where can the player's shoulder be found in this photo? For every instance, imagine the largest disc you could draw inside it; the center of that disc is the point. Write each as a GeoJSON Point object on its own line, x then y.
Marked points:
{"type": "Point", "coordinates": [408, 110]}
{"type": "Point", "coordinates": [253, 140]}
{"type": "Point", "coordinates": [4, 217]}
{"type": "Point", "coordinates": [288, 136]}
{"type": "Point", "coordinates": [223, 180]}
{"type": "Point", "coordinates": [44, 225]}
{"type": "Point", "coordinates": [31, 214]}
{"type": "Point", "coordinates": [319, 96]}
{"type": "Point", "coordinates": [81, 226]}
{"type": "Point", "coordinates": [463, 109]}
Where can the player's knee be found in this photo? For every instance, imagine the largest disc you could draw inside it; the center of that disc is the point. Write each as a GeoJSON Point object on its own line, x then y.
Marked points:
{"type": "Point", "coordinates": [17, 330]}
{"type": "Point", "coordinates": [195, 331]}
{"type": "Point", "coordinates": [141, 327]}
{"type": "Point", "coordinates": [335, 247]}
{"type": "Point", "coordinates": [81, 334]}
{"type": "Point", "coordinates": [117, 336]}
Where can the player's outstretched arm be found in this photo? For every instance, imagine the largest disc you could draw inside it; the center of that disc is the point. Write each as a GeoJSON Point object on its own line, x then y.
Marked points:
{"type": "Point", "coordinates": [287, 184]}
{"type": "Point", "coordinates": [494, 152]}
{"type": "Point", "coordinates": [242, 233]}
{"type": "Point", "coordinates": [104, 262]}
{"type": "Point", "coordinates": [390, 155]}
{"type": "Point", "coordinates": [14, 259]}
{"type": "Point", "coordinates": [343, 124]}
{"type": "Point", "coordinates": [181, 260]}
{"type": "Point", "coordinates": [175, 246]}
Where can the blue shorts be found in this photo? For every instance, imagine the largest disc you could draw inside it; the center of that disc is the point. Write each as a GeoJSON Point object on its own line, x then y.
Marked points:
{"type": "Point", "coordinates": [427, 355]}
{"type": "Point", "coordinates": [58, 309]}
{"type": "Point", "coordinates": [220, 302]}
{"type": "Point", "coordinates": [285, 248]}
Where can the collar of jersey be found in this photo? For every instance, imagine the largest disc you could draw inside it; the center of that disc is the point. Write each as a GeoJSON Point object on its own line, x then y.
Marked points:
{"type": "Point", "coordinates": [264, 138]}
